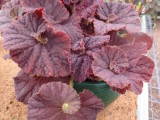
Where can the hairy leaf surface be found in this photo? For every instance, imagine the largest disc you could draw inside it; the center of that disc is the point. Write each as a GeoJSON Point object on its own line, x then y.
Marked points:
{"type": "Point", "coordinates": [144, 38]}
{"type": "Point", "coordinates": [120, 14]}
{"type": "Point", "coordinates": [102, 28]}
{"type": "Point", "coordinates": [120, 37]}
{"type": "Point", "coordinates": [60, 103]}
{"type": "Point", "coordinates": [54, 10]}
{"type": "Point", "coordinates": [69, 2]}
{"type": "Point", "coordinates": [4, 20]}
{"type": "Point", "coordinates": [2, 2]}
{"type": "Point", "coordinates": [134, 52]}
{"type": "Point", "coordinates": [90, 105]}
{"type": "Point", "coordinates": [10, 11]}
{"type": "Point", "coordinates": [81, 60]}
{"type": "Point", "coordinates": [37, 48]}
{"type": "Point", "coordinates": [109, 64]}
{"type": "Point", "coordinates": [63, 103]}
{"type": "Point", "coordinates": [87, 27]}
{"type": "Point", "coordinates": [121, 91]}
{"type": "Point", "coordinates": [141, 72]}
{"type": "Point", "coordinates": [72, 29]}
{"type": "Point", "coordinates": [27, 85]}
{"type": "Point", "coordinates": [87, 8]}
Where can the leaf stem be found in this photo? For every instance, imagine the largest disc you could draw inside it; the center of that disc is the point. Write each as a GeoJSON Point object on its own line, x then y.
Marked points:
{"type": "Point", "coordinates": [71, 81]}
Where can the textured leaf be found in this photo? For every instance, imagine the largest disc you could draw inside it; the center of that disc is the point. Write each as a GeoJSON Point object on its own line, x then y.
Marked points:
{"type": "Point", "coordinates": [4, 20]}
{"type": "Point", "coordinates": [37, 50]}
{"type": "Point", "coordinates": [87, 27]}
{"type": "Point", "coordinates": [72, 29]}
{"type": "Point", "coordinates": [32, 5]}
{"type": "Point", "coordinates": [134, 52]}
{"type": "Point", "coordinates": [109, 63]}
{"type": "Point", "coordinates": [13, 8]}
{"type": "Point", "coordinates": [94, 43]}
{"type": "Point", "coordinates": [121, 37]}
{"type": "Point", "coordinates": [69, 2]}
{"type": "Point", "coordinates": [141, 72]}
{"type": "Point", "coordinates": [63, 103]}
{"type": "Point", "coordinates": [132, 77]}
{"type": "Point", "coordinates": [102, 28]}
{"type": "Point", "coordinates": [54, 10]}
{"type": "Point", "coordinates": [81, 60]}
{"type": "Point", "coordinates": [10, 11]}
{"type": "Point", "coordinates": [27, 85]}
{"type": "Point", "coordinates": [7, 56]}
{"type": "Point", "coordinates": [60, 103]}
{"type": "Point", "coordinates": [80, 66]}
{"type": "Point", "coordinates": [121, 91]}
{"type": "Point", "coordinates": [137, 74]}
{"type": "Point", "coordinates": [88, 7]}
{"type": "Point", "coordinates": [90, 105]}
{"type": "Point", "coordinates": [144, 38]}
{"type": "Point", "coordinates": [2, 2]}
{"type": "Point", "coordinates": [120, 14]}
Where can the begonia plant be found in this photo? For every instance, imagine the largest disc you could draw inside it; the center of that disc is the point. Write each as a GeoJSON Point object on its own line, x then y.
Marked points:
{"type": "Point", "coordinates": [57, 43]}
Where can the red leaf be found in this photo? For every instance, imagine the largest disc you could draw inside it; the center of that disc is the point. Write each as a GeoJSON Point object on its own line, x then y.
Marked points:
{"type": "Point", "coordinates": [4, 20]}
{"type": "Point", "coordinates": [54, 10]}
{"type": "Point", "coordinates": [120, 37]}
{"type": "Point", "coordinates": [134, 52]}
{"type": "Point", "coordinates": [109, 63]}
{"type": "Point", "coordinates": [72, 29]}
{"type": "Point", "coordinates": [63, 103]}
{"type": "Point", "coordinates": [37, 48]}
{"type": "Point", "coordinates": [141, 72]}
{"type": "Point", "coordinates": [2, 2]}
{"type": "Point", "coordinates": [144, 38]}
{"type": "Point", "coordinates": [27, 85]}
{"type": "Point", "coordinates": [121, 91]}
{"type": "Point", "coordinates": [80, 65]}
{"type": "Point", "coordinates": [131, 77]}
{"type": "Point", "coordinates": [81, 60]}
{"type": "Point", "coordinates": [90, 105]}
{"type": "Point", "coordinates": [94, 43]}
{"type": "Point", "coordinates": [88, 7]}
{"type": "Point", "coordinates": [60, 103]}
{"type": "Point", "coordinates": [10, 11]}
{"type": "Point", "coordinates": [69, 2]}
{"type": "Point", "coordinates": [124, 14]}
{"type": "Point", "coordinates": [102, 28]}
{"type": "Point", "coordinates": [87, 27]}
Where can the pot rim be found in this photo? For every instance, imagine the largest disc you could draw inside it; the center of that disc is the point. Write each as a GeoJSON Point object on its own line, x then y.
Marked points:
{"type": "Point", "coordinates": [93, 83]}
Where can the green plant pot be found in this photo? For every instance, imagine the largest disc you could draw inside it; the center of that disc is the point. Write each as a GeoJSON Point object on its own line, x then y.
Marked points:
{"type": "Point", "coordinates": [100, 89]}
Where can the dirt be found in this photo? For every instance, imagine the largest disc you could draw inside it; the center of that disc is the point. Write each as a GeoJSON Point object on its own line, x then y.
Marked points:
{"type": "Point", "coordinates": [10, 109]}
{"type": "Point", "coordinates": [124, 108]}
